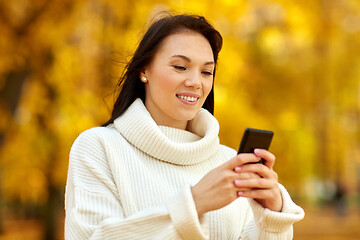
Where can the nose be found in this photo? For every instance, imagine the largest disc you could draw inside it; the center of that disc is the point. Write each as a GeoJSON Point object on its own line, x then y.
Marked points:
{"type": "Point", "coordinates": [193, 81]}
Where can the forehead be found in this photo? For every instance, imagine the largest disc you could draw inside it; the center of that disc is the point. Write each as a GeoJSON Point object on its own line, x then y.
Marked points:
{"type": "Point", "coordinates": [187, 43]}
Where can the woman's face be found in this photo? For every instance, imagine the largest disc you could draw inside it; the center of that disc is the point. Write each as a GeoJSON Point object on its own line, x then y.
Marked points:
{"type": "Point", "coordinates": [179, 79]}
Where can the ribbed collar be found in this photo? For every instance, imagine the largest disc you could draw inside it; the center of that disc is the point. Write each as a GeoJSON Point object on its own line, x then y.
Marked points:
{"type": "Point", "coordinates": [168, 144]}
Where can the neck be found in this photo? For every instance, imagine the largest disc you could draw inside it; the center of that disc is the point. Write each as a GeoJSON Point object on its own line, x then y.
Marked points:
{"type": "Point", "coordinates": [174, 124]}
{"type": "Point", "coordinates": [163, 120]}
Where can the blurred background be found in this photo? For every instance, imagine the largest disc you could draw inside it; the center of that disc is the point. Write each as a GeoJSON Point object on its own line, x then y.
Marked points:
{"type": "Point", "coordinates": [289, 66]}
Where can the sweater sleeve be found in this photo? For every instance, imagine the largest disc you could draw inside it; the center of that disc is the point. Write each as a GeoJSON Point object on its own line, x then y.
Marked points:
{"type": "Point", "coordinates": [271, 225]}
{"type": "Point", "coordinates": [93, 206]}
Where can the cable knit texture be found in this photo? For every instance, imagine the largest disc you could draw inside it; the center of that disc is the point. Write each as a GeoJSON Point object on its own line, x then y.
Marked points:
{"type": "Point", "coordinates": [132, 180]}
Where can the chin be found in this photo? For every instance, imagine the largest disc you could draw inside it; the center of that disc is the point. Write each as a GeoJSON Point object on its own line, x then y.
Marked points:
{"type": "Point", "coordinates": [188, 116]}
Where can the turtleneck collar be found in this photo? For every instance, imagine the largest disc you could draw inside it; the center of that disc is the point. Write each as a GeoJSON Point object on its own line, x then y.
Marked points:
{"type": "Point", "coordinates": [168, 144]}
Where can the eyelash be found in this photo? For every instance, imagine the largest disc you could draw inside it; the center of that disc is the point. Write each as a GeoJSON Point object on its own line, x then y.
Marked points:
{"type": "Point", "coordinates": [207, 73]}
{"type": "Point", "coordinates": [184, 68]}
{"type": "Point", "coordinates": [180, 68]}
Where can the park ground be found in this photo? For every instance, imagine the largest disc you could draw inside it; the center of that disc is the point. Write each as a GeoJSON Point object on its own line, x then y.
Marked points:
{"type": "Point", "coordinates": [326, 224]}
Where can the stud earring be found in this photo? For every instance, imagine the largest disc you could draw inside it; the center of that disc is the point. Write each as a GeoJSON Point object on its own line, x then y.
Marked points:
{"type": "Point", "coordinates": [144, 79]}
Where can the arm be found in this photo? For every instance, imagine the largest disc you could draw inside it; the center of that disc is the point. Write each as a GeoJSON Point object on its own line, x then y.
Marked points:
{"type": "Point", "coordinates": [272, 225]}
{"type": "Point", "coordinates": [93, 206]}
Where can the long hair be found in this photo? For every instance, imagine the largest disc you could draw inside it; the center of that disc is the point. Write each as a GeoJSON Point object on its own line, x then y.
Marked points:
{"type": "Point", "coordinates": [130, 84]}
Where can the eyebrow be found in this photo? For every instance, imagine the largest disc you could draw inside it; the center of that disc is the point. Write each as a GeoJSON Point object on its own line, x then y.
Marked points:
{"type": "Point", "coordinates": [189, 60]}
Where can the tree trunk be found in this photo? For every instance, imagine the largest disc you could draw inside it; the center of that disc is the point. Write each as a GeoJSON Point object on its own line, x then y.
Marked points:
{"type": "Point", "coordinates": [9, 97]}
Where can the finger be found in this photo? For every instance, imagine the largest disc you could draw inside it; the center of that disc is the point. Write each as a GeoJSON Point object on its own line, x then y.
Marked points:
{"type": "Point", "coordinates": [237, 182]}
{"type": "Point", "coordinates": [267, 156]}
{"type": "Point", "coordinates": [239, 169]}
{"type": "Point", "coordinates": [259, 169]}
{"type": "Point", "coordinates": [276, 176]}
{"type": "Point", "coordinates": [243, 176]}
{"type": "Point", "coordinates": [270, 199]}
{"type": "Point", "coordinates": [241, 159]}
{"type": "Point", "coordinates": [260, 183]}
{"type": "Point", "coordinates": [242, 189]}
{"type": "Point", "coordinates": [256, 193]}
{"type": "Point", "coordinates": [247, 175]}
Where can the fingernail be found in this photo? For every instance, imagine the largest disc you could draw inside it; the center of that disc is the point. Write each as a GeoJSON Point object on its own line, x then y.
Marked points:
{"type": "Point", "coordinates": [237, 169]}
{"type": "Point", "coordinates": [257, 151]}
{"type": "Point", "coordinates": [237, 182]}
{"type": "Point", "coordinates": [240, 193]}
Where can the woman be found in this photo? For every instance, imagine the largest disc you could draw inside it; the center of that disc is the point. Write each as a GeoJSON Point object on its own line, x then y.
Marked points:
{"type": "Point", "coordinates": [156, 169]}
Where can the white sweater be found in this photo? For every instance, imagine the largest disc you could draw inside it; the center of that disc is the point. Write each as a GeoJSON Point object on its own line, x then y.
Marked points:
{"type": "Point", "coordinates": [132, 179]}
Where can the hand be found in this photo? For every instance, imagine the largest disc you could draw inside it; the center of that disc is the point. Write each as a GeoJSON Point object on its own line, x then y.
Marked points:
{"type": "Point", "coordinates": [217, 188]}
{"type": "Point", "coordinates": [264, 190]}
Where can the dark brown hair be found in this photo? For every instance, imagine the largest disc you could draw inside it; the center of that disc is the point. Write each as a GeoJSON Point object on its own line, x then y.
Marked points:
{"type": "Point", "coordinates": [131, 86]}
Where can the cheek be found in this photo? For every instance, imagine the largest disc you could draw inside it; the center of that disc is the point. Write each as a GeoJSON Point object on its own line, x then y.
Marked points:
{"type": "Point", "coordinates": [207, 86]}
{"type": "Point", "coordinates": [163, 82]}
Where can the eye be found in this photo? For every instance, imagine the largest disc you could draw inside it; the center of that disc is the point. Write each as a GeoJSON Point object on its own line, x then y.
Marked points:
{"type": "Point", "coordinates": [181, 68]}
{"type": "Point", "coordinates": [208, 73]}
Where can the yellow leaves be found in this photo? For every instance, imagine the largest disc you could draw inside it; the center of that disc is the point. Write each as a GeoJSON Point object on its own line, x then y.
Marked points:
{"type": "Point", "coordinates": [233, 3]}
{"type": "Point", "coordinates": [34, 100]}
{"type": "Point", "coordinates": [67, 68]}
{"type": "Point", "coordinates": [299, 26]}
{"type": "Point", "coordinates": [288, 66]}
{"type": "Point", "coordinates": [17, 9]}
{"type": "Point", "coordinates": [289, 120]}
{"type": "Point", "coordinates": [24, 160]}
{"type": "Point", "coordinates": [30, 184]}
{"type": "Point", "coordinates": [272, 40]}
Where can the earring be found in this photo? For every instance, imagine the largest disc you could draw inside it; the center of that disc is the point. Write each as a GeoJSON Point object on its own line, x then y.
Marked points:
{"type": "Point", "coordinates": [144, 79]}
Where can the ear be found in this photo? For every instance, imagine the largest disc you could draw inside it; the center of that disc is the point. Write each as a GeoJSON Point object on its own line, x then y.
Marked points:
{"type": "Point", "coordinates": [142, 73]}
{"type": "Point", "coordinates": [142, 76]}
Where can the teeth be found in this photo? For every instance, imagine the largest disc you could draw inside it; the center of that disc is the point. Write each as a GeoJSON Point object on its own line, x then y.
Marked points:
{"type": "Point", "coordinates": [187, 98]}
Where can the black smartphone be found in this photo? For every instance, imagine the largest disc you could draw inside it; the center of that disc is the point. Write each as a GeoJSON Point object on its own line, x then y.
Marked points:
{"type": "Point", "coordinates": [255, 138]}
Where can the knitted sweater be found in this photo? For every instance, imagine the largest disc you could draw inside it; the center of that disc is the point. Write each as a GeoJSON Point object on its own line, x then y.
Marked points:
{"type": "Point", "coordinates": [132, 180]}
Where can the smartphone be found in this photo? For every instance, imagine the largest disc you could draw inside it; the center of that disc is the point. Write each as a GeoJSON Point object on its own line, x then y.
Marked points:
{"type": "Point", "coordinates": [255, 138]}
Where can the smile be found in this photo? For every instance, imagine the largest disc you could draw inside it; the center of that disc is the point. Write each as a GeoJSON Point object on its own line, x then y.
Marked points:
{"type": "Point", "coordinates": [187, 98]}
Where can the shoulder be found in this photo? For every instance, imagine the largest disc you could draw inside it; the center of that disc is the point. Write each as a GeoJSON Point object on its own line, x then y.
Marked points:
{"type": "Point", "coordinates": [95, 138]}
{"type": "Point", "coordinates": [89, 159]}
{"type": "Point", "coordinates": [97, 134]}
{"type": "Point", "coordinates": [91, 148]}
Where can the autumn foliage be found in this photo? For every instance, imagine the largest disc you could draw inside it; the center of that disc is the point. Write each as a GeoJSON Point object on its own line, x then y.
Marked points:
{"type": "Point", "coordinates": [288, 66]}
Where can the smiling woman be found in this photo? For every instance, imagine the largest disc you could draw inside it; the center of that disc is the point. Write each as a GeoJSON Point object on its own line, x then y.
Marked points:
{"type": "Point", "coordinates": [179, 79]}
{"type": "Point", "coordinates": [156, 169]}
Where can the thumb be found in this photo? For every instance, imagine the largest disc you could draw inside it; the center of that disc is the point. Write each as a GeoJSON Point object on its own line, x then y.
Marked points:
{"type": "Point", "coordinates": [241, 159]}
